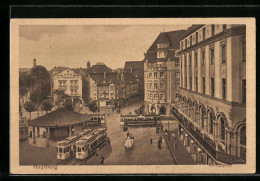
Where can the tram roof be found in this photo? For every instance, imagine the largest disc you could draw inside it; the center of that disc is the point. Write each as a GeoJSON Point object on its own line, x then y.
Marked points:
{"type": "Point", "coordinates": [58, 118]}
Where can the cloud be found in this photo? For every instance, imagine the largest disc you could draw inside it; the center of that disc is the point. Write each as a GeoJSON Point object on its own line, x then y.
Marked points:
{"type": "Point", "coordinates": [35, 32]}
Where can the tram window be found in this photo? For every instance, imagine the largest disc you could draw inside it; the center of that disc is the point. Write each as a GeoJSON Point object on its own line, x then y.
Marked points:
{"type": "Point", "coordinates": [60, 150]}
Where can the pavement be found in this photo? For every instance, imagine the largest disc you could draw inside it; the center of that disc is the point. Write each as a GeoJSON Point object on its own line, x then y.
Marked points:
{"type": "Point", "coordinates": [179, 153]}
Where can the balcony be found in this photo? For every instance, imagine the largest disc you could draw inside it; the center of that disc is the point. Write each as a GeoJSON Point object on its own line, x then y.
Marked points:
{"type": "Point", "coordinates": [205, 143]}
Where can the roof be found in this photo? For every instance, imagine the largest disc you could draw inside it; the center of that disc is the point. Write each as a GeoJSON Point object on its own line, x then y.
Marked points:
{"type": "Point", "coordinates": [99, 78]}
{"type": "Point", "coordinates": [134, 65]}
{"type": "Point", "coordinates": [57, 69]}
{"type": "Point", "coordinates": [129, 78]}
{"type": "Point", "coordinates": [99, 68]}
{"type": "Point", "coordinates": [191, 29]}
{"type": "Point", "coordinates": [58, 118]}
{"type": "Point", "coordinates": [172, 37]}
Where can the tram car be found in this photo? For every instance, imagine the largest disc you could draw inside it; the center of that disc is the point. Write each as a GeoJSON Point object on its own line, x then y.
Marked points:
{"type": "Point", "coordinates": [87, 145]}
{"type": "Point", "coordinates": [67, 147]}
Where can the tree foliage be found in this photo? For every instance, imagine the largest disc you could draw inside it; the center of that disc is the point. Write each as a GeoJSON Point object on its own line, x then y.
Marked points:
{"type": "Point", "coordinates": [38, 95]}
{"type": "Point", "coordinates": [47, 106]}
{"type": "Point", "coordinates": [30, 107]}
{"type": "Point", "coordinates": [93, 106]}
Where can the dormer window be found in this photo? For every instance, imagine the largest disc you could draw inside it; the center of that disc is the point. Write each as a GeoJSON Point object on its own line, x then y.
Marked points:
{"type": "Point", "coordinates": [161, 54]}
{"type": "Point", "coordinates": [163, 45]}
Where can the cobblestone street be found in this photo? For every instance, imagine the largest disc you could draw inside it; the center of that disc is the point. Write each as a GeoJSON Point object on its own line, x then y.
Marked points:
{"type": "Point", "coordinates": [143, 152]}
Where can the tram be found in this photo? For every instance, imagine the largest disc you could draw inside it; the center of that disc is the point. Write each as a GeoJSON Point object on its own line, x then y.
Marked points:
{"type": "Point", "coordinates": [67, 147]}
{"type": "Point", "coordinates": [87, 145]}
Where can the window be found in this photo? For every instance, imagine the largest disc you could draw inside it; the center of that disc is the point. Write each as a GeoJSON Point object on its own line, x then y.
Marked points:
{"type": "Point", "coordinates": [150, 75]}
{"type": "Point", "coordinates": [151, 96]}
{"type": "Point", "coordinates": [190, 82]}
{"type": "Point", "coordinates": [243, 51]}
{"type": "Point", "coordinates": [222, 129]}
{"type": "Point", "coordinates": [177, 75]}
{"type": "Point", "coordinates": [224, 27]}
{"type": "Point", "coordinates": [244, 91]}
{"type": "Point", "coordinates": [162, 54]}
{"type": "Point", "coordinates": [185, 61]}
{"type": "Point", "coordinates": [162, 97]}
{"type": "Point", "coordinates": [181, 45]}
{"type": "Point", "coordinates": [211, 56]}
{"type": "Point", "coordinates": [224, 53]}
{"type": "Point", "coordinates": [177, 63]}
{"type": "Point", "coordinates": [243, 143]}
{"type": "Point", "coordinates": [185, 43]}
{"type": "Point", "coordinates": [213, 29]}
{"type": "Point", "coordinates": [190, 40]}
{"type": "Point", "coordinates": [186, 81]}
{"type": "Point", "coordinates": [155, 85]}
{"type": "Point", "coordinates": [197, 37]}
{"type": "Point", "coordinates": [211, 123]}
{"type": "Point", "coordinates": [196, 82]}
{"type": "Point", "coordinates": [162, 85]}
{"type": "Point", "coordinates": [150, 85]}
{"type": "Point", "coordinates": [155, 74]}
{"type": "Point", "coordinates": [223, 88]}
{"type": "Point", "coordinates": [155, 96]}
{"type": "Point", "coordinates": [203, 58]}
{"type": "Point", "coordinates": [212, 87]}
{"type": "Point", "coordinates": [195, 59]}
{"type": "Point", "coordinates": [161, 74]}
{"type": "Point", "coordinates": [203, 33]}
{"type": "Point", "coordinates": [203, 85]}
{"type": "Point", "coordinates": [190, 60]}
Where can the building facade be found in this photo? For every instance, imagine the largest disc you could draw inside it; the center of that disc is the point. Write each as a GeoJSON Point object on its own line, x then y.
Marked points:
{"type": "Point", "coordinates": [211, 107]}
{"type": "Point", "coordinates": [69, 81]}
{"type": "Point", "coordinates": [161, 73]}
{"type": "Point", "coordinates": [103, 88]}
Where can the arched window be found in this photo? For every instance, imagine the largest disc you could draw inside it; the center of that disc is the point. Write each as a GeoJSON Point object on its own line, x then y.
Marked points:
{"type": "Point", "coordinates": [243, 136]}
{"type": "Point", "coordinates": [222, 129]}
{"type": "Point", "coordinates": [211, 122]}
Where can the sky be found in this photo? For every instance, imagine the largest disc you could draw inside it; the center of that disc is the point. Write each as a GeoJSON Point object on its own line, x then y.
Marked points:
{"type": "Point", "coordinates": [73, 45]}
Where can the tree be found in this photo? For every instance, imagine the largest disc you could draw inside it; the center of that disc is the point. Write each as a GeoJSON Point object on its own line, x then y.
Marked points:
{"type": "Point", "coordinates": [41, 78]}
{"type": "Point", "coordinates": [46, 106]}
{"type": "Point", "coordinates": [69, 104]}
{"type": "Point", "coordinates": [93, 106]}
{"type": "Point", "coordinates": [30, 107]}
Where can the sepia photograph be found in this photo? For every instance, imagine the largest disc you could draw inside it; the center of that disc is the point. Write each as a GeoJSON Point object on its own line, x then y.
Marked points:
{"type": "Point", "coordinates": [108, 96]}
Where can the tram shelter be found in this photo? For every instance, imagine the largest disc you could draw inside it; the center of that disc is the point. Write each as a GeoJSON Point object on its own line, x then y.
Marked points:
{"type": "Point", "coordinates": [55, 126]}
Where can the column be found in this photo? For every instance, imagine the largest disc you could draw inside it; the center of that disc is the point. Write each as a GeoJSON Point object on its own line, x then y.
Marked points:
{"type": "Point", "coordinates": [188, 70]}
{"type": "Point", "coordinates": [216, 134]}
{"type": "Point", "coordinates": [199, 71]}
{"type": "Point", "coordinates": [228, 141]}
{"type": "Point", "coordinates": [47, 136]}
{"type": "Point", "coordinates": [38, 132]}
{"type": "Point", "coordinates": [217, 70]}
{"type": "Point", "coordinates": [34, 139]}
{"type": "Point", "coordinates": [207, 70]}
{"type": "Point", "coordinates": [193, 70]}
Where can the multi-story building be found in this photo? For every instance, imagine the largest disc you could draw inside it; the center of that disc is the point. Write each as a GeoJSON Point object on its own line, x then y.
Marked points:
{"type": "Point", "coordinates": [136, 68]}
{"type": "Point", "coordinates": [211, 108]}
{"type": "Point", "coordinates": [69, 81]}
{"type": "Point", "coordinates": [161, 73]}
{"type": "Point", "coordinates": [103, 88]}
{"type": "Point", "coordinates": [128, 89]}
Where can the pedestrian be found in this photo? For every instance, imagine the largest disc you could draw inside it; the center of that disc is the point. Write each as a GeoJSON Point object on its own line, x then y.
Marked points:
{"type": "Point", "coordinates": [151, 140]}
{"type": "Point", "coordinates": [97, 152]}
{"type": "Point", "coordinates": [102, 160]}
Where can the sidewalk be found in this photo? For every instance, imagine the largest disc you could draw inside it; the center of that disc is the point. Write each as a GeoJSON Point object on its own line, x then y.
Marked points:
{"type": "Point", "coordinates": [180, 155]}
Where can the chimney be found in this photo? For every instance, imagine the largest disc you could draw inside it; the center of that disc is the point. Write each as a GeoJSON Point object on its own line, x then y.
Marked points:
{"type": "Point", "coordinates": [105, 75]}
{"type": "Point", "coordinates": [34, 62]}
{"type": "Point", "coordinates": [88, 64]}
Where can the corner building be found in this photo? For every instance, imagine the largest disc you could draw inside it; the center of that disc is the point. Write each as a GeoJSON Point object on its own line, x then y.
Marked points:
{"type": "Point", "coordinates": [211, 108]}
{"type": "Point", "coordinates": [161, 73]}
